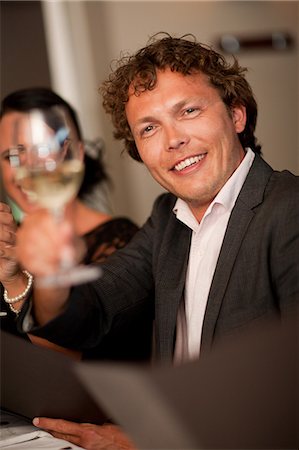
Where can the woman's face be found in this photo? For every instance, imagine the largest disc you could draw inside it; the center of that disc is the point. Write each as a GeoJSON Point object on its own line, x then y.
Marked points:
{"type": "Point", "coordinates": [16, 135]}
{"type": "Point", "coordinates": [13, 190]}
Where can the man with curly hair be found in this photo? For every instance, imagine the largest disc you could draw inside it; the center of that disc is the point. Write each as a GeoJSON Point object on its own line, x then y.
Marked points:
{"type": "Point", "coordinates": [220, 250]}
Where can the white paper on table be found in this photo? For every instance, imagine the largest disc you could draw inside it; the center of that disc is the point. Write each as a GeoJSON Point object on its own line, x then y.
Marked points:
{"type": "Point", "coordinates": [13, 425]}
{"type": "Point", "coordinates": [37, 440]}
{"type": "Point", "coordinates": [17, 433]}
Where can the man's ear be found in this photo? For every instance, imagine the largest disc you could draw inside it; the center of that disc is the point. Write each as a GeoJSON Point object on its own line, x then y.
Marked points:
{"type": "Point", "coordinates": [239, 117]}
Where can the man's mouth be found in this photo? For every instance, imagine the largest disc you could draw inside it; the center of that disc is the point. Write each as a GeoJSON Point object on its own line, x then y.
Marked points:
{"type": "Point", "coordinates": [189, 162]}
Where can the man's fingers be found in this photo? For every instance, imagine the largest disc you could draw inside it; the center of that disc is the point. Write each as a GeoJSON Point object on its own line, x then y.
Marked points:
{"type": "Point", "coordinates": [67, 437]}
{"type": "Point", "coordinates": [88, 436]}
{"type": "Point", "coordinates": [82, 435]}
{"type": "Point", "coordinates": [57, 425]}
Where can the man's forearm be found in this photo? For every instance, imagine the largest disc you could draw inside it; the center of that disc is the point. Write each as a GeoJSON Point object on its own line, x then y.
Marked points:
{"type": "Point", "coordinates": [48, 304]}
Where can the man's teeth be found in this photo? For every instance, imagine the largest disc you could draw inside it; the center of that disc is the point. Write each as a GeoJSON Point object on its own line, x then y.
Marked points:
{"type": "Point", "coordinates": [188, 162]}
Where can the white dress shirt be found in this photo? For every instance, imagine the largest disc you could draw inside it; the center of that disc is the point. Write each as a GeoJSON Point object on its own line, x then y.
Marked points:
{"type": "Point", "coordinates": [206, 241]}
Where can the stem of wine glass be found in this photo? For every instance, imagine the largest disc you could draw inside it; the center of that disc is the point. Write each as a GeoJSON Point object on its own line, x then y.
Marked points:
{"type": "Point", "coordinates": [58, 214]}
{"type": "Point", "coordinates": [66, 261]}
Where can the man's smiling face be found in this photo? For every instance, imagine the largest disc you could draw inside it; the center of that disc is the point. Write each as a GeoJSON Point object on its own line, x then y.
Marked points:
{"type": "Point", "coordinates": [186, 136]}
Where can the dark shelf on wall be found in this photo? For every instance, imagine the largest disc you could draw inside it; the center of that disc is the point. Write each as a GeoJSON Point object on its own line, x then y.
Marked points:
{"type": "Point", "coordinates": [276, 41]}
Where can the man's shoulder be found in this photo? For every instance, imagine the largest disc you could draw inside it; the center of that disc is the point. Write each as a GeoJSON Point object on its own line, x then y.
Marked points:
{"type": "Point", "coordinates": [280, 195]}
{"type": "Point", "coordinates": [278, 176]}
{"type": "Point", "coordinates": [284, 184]}
{"type": "Point", "coordinates": [263, 180]}
{"type": "Point", "coordinates": [286, 177]}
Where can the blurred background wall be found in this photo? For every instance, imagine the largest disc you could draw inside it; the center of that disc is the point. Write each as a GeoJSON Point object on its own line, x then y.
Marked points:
{"type": "Point", "coordinates": [69, 46]}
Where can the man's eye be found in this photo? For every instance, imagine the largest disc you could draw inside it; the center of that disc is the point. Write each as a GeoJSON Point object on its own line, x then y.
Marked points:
{"type": "Point", "coordinates": [190, 111]}
{"type": "Point", "coordinates": [147, 129]}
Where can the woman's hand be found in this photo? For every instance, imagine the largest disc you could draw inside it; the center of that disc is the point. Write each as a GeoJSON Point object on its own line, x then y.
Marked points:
{"type": "Point", "coordinates": [9, 268]}
{"type": "Point", "coordinates": [86, 435]}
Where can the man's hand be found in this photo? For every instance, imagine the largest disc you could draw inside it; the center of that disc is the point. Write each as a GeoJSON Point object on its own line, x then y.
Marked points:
{"type": "Point", "coordinates": [86, 435]}
{"type": "Point", "coordinates": [8, 261]}
{"type": "Point", "coordinates": [41, 242]}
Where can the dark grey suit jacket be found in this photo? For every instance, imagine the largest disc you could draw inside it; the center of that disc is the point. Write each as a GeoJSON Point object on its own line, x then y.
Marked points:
{"type": "Point", "coordinates": [257, 273]}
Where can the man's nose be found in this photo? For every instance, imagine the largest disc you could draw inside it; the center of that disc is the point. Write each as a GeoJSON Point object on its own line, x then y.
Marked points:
{"type": "Point", "coordinates": [176, 137]}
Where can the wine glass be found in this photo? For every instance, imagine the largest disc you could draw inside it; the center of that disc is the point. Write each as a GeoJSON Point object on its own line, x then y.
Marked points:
{"type": "Point", "coordinates": [47, 161]}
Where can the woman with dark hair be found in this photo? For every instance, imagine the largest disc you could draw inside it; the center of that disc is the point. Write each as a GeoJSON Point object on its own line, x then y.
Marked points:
{"type": "Point", "coordinates": [95, 176]}
{"type": "Point", "coordinates": [101, 233]}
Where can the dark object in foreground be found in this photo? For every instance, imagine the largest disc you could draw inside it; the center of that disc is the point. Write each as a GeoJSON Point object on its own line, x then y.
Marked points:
{"type": "Point", "coordinates": [242, 395]}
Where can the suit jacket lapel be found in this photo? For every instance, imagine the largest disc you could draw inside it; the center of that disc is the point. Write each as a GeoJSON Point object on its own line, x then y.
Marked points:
{"type": "Point", "coordinates": [250, 196]}
{"type": "Point", "coordinates": [170, 281]}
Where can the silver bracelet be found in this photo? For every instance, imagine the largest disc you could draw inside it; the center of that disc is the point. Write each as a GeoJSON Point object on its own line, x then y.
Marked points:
{"type": "Point", "coordinates": [19, 297]}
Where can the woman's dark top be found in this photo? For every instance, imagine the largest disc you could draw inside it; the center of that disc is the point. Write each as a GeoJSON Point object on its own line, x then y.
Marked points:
{"type": "Point", "coordinates": [130, 338]}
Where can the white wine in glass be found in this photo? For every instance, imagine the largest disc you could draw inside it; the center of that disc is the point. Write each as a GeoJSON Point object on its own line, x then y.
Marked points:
{"type": "Point", "coordinates": [51, 189]}
{"type": "Point", "coordinates": [47, 159]}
